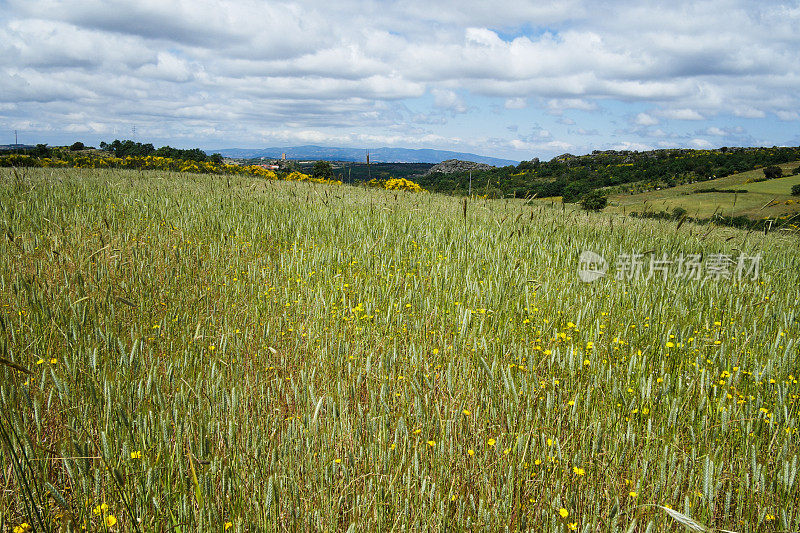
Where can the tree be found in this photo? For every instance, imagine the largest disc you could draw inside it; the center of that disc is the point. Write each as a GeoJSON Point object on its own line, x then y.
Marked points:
{"type": "Point", "coordinates": [772, 172]}
{"type": "Point", "coordinates": [322, 169]}
{"type": "Point", "coordinates": [77, 146]}
{"type": "Point", "coordinates": [594, 201]}
{"type": "Point", "coordinates": [573, 191]}
{"type": "Point", "coordinates": [40, 150]}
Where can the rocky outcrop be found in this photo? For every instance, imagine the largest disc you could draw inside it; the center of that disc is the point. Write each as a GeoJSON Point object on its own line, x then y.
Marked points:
{"type": "Point", "coordinates": [453, 166]}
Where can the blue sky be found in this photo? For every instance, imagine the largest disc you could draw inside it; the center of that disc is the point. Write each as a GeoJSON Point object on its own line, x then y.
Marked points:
{"type": "Point", "coordinates": [507, 78]}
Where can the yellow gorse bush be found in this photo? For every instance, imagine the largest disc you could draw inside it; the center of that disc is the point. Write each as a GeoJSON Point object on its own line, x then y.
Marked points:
{"type": "Point", "coordinates": [396, 184]}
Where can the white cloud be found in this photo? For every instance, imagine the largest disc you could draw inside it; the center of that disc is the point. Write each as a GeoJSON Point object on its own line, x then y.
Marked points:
{"type": "Point", "coordinates": [746, 111]}
{"type": "Point", "coordinates": [516, 103]}
{"type": "Point", "coordinates": [627, 145]}
{"type": "Point", "coordinates": [223, 67]}
{"type": "Point", "coordinates": [700, 143]}
{"type": "Point", "coordinates": [558, 105]}
{"type": "Point", "coordinates": [550, 146]}
{"type": "Point", "coordinates": [788, 115]}
{"type": "Point", "coordinates": [682, 114]}
{"type": "Point", "coordinates": [643, 119]}
{"type": "Point", "coordinates": [449, 100]}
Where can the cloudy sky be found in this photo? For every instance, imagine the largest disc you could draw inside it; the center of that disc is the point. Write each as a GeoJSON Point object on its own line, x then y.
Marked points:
{"type": "Point", "coordinates": [515, 79]}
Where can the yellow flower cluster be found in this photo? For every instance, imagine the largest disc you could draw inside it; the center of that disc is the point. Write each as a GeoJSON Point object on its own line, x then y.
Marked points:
{"type": "Point", "coordinates": [402, 184]}
{"type": "Point", "coordinates": [151, 162]}
{"type": "Point", "coordinates": [299, 176]}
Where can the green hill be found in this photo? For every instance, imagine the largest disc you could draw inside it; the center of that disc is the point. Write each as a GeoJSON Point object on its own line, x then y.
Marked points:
{"type": "Point", "coordinates": [572, 177]}
{"type": "Point", "coordinates": [765, 199]}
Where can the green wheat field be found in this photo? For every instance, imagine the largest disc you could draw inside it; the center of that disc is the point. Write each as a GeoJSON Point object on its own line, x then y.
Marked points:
{"type": "Point", "coordinates": [189, 352]}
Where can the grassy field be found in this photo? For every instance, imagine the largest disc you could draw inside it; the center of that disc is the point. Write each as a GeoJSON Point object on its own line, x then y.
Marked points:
{"type": "Point", "coordinates": [764, 199]}
{"type": "Point", "coordinates": [188, 352]}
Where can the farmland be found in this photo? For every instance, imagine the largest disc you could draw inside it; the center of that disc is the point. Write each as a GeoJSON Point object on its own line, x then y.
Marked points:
{"type": "Point", "coordinates": [194, 352]}
{"type": "Point", "coordinates": [771, 198]}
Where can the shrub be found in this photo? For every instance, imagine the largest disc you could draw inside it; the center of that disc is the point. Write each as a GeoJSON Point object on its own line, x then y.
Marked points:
{"type": "Point", "coordinates": [594, 201]}
{"type": "Point", "coordinates": [322, 170]}
{"type": "Point", "coordinates": [714, 189]}
{"type": "Point", "coordinates": [402, 184]}
{"type": "Point", "coordinates": [796, 190]}
{"type": "Point", "coordinates": [573, 191]}
{"type": "Point", "coordinates": [772, 172]}
{"type": "Point", "coordinates": [678, 212]}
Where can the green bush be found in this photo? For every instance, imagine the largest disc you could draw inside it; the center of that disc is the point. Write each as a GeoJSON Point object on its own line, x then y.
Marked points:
{"type": "Point", "coordinates": [678, 212]}
{"type": "Point", "coordinates": [796, 190]}
{"type": "Point", "coordinates": [772, 172]}
{"type": "Point", "coordinates": [573, 191]}
{"type": "Point", "coordinates": [594, 201]}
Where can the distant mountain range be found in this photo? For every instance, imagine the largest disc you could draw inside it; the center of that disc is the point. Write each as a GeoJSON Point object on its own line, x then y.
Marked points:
{"type": "Point", "coordinates": [377, 155]}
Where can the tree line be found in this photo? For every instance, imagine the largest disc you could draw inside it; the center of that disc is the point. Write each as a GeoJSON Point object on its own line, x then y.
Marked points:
{"type": "Point", "coordinates": [574, 177]}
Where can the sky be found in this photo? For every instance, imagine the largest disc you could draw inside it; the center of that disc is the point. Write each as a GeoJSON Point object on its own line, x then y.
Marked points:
{"type": "Point", "coordinates": [510, 79]}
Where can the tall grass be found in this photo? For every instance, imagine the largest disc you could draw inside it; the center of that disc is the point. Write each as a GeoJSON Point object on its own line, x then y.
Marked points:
{"type": "Point", "coordinates": [204, 354]}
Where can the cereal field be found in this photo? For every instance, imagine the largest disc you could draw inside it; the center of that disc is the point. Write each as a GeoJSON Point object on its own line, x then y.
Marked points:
{"type": "Point", "coordinates": [188, 352]}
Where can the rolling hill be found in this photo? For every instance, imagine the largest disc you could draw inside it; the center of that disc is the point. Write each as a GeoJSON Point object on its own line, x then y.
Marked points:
{"type": "Point", "coordinates": [771, 198]}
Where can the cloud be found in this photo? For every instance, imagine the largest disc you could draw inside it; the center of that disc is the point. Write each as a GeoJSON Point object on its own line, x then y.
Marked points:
{"type": "Point", "coordinates": [643, 119]}
{"type": "Point", "coordinates": [788, 115]}
{"type": "Point", "coordinates": [747, 111]}
{"type": "Point", "coordinates": [449, 101]}
{"type": "Point", "coordinates": [516, 103]}
{"type": "Point", "coordinates": [558, 105]}
{"type": "Point", "coordinates": [681, 114]}
{"type": "Point", "coordinates": [581, 131]}
{"type": "Point", "coordinates": [549, 146]}
{"type": "Point", "coordinates": [700, 143]}
{"type": "Point", "coordinates": [204, 69]}
{"type": "Point", "coordinates": [627, 145]}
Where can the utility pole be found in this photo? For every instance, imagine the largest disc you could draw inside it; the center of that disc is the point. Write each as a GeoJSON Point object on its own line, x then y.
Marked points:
{"type": "Point", "coordinates": [470, 183]}
{"type": "Point", "coordinates": [368, 172]}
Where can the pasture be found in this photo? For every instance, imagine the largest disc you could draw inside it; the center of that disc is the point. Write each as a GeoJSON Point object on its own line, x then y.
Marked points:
{"type": "Point", "coordinates": [770, 198]}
